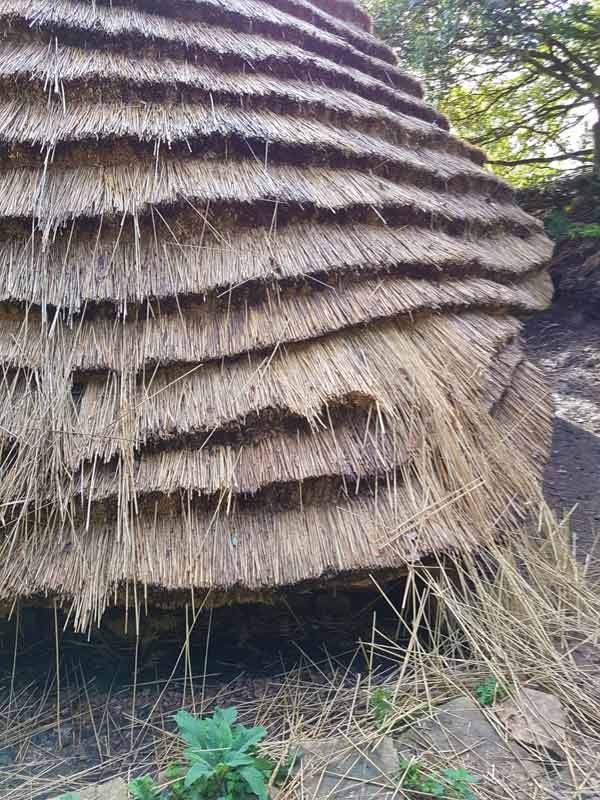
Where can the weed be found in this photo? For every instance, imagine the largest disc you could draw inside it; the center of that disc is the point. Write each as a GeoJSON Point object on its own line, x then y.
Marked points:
{"type": "Point", "coordinates": [381, 705]}
{"type": "Point", "coordinates": [412, 777]}
{"type": "Point", "coordinates": [488, 692]}
{"type": "Point", "coordinates": [460, 782]}
{"type": "Point", "coordinates": [584, 230]}
{"type": "Point", "coordinates": [454, 783]}
{"type": "Point", "coordinates": [144, 789]}
{"type": "Point", "coordinates": [221, 762]}
{"type": "Point", "coordinates": [222, 757]}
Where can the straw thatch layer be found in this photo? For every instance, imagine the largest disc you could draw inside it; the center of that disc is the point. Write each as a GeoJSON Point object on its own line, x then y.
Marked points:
{"type": "Point", "coordinates": [307, 463]}
{"type": "Point", "coordinates": [70, 193]}
{"type": "Point", "coordinates": [210, 331]}
{"type": "Point", "coordinates": [53, 73]}
{"type": "Point", "coordinates": [178, 547]}
{"type": "Point", "coordinates": [207, 256]}
{"type": "Point", "coordinates": [258, 321]}
{"type": "Point", "coordinates": [371, 365]}
{"type": "Point", "coordinates": [343, 65]}
{"type": "Point", "coordinates": [290, 139]}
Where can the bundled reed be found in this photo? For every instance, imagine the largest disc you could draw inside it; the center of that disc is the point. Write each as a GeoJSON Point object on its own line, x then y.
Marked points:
{"type": "Point", "coordinates": [258, 308]}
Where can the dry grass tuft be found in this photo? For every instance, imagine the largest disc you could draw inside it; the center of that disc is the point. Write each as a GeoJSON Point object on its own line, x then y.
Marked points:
{"type": "Point", "coordinates": [526, 615]}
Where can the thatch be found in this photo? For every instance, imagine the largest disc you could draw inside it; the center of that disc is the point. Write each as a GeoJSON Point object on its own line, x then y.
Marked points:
{"type": "Point", "coordinates": [65, 69]}
{"type": "Point", "coordinates": [259, 308]}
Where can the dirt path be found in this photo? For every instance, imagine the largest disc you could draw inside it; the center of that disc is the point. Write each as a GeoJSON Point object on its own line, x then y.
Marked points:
{"type": "Point", "coordinates": [566, 346]}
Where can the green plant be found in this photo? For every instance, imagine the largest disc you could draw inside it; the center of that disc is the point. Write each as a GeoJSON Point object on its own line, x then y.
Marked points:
{"type": "Point", "coordinates": [177, 789]}
{"type": "Point", "coordinates": [69, 796]}
{"type": "Point", "coordinates": [381, 705]}
{"type": "Point", "coordinates": [582, 230]}
{"type": "Point", "coordinates": [489, 691]}
{"type": "Point", "coordinates": [459, 783]}
{"type": "Point", "coordinates": [558, 227]}
{"type": "Point", "coordinates": [223, 760]}
{"type": "Point", "coordinates": [221, 763]}
{"type": "Point", "coordinates": [556, 224]}
{"type": "Point", "coordinates": [455, 783]}
{"type": "Point", "coordinates": [144, 789]}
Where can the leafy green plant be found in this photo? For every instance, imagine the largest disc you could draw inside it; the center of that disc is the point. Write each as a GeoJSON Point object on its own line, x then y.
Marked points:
{"type": "Point", "coordinates": [460, 782]}
{"type": "Point", "coordinates": [144, 788]}
{"type": "Point", "coordinates": [177, 789]}
{"type": "Point", "coordinates": [489, 691]}
{"type": "Point", "coordinates": [556, 224]}
{"type": "Point", "coordinates": [454, 783]}
{"type": "Point", "coordinates": [222, 762]}
{"type": "Point", "coordinates": [582, 230]}
{"type": "Point", "coordinates": [412, 777]}
{"type": "Point", "coordinates": [222, 756]}
{"type": "Point", "coordinates": [69, 796]}
{"type": "Point", "coordinates": [381, 705]}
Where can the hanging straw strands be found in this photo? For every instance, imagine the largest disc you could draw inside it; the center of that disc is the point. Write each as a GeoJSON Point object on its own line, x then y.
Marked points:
{"type": "Point", "coordinates": [258, 321]}
{"type": "Point", "coordinates": [174, 545]}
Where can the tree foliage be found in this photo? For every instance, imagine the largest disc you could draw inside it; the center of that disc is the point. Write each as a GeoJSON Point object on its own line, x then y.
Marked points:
{"type": "Point", "coordinates": [520, 78]}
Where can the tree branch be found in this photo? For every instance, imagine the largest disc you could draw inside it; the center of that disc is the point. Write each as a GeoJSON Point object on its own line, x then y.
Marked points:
{"type": "Point", "coordinates": [543, 159]}
{"type": "Point", "coordinates": [559, 73]}
{"type": "Point", "coordinates": [586, 70]}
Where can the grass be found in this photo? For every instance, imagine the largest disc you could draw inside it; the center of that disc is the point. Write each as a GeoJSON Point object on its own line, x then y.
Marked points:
{"type": "Point", "coordinates": [518, 617]}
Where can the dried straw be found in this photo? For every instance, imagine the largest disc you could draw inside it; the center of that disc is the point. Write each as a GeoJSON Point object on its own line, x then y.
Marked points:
{"type": "Point", "coordinates": [258, 322]}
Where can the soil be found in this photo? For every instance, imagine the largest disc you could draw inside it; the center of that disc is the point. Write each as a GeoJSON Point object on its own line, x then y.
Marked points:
{"type": "Point", "coordinates": [565, 343]}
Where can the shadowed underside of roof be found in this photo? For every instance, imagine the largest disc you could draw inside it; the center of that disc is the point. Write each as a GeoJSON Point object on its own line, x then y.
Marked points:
{"type": "Point", "coordinates": [258, 307]}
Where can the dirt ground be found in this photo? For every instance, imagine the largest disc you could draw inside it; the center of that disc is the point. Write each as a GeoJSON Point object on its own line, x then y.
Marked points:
{"type": "Point", "coordinates": [565, 344]}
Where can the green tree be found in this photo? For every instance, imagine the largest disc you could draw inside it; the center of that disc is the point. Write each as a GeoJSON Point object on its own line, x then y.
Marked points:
{"type": "Point", "coordinates": [520, 78]}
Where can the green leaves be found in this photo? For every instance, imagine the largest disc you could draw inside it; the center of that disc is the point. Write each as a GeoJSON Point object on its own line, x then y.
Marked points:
{"type": "Point", "coordinates": [453, 783]}
{"type": "Point", "coordinates": [256, 781]}
{"type": "Point", "coordinates": [197, 771]}
{"type": "Point", "coordinates": [144, 789]}
{"type": "Point", "coordinates": [224, 764]}
{"type": "Point", "coordinates": [432, 787]}
{"type": "Point", "coordinates": [381, 705]}
{"type": "Point", "coordinates": [518, 78]}
{"type": "Point", "coordinates": [488, 692]}
{"type": "Point", "coordinates": [460, 782]}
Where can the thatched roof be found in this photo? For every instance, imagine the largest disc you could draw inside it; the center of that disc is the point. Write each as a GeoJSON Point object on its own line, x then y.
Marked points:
{"type": "Point", "coordinates": [258, 307]}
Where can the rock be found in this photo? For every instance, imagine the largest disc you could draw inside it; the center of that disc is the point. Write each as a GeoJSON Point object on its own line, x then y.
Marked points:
{"type": "Point", "coordinates": [535, 719]}
{"type": "Point", "coordinates": [111, 790]}
{"type": "Point", "coordinates": [592, 262]}
{"type": "Point", "coordinates": [335, 769]}
{"type": "Point", "coordinates": [460, 734]}
{"type": "Point", "coordinates": [585, 655]}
